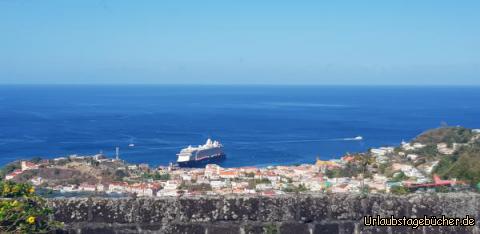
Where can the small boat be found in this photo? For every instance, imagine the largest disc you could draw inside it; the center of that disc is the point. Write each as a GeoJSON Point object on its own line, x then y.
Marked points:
{"type": "Point", "coordinates": [131, 145]}
{"type": "Point", "coordinates": [358, 138]}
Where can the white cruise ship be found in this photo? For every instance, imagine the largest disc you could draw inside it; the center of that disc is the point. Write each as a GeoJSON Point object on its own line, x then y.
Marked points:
{"type": "Point", "coordinates": [211, 151]}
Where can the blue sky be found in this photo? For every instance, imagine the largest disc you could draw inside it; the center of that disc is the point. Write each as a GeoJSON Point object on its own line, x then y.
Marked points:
{"type": "Point", "coordinates": [240, 42]}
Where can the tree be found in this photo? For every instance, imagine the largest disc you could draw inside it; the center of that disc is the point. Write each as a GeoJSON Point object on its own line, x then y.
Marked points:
{"type": "Point", "coordinates": [36, 159]}
{"type": "Point", "coordinates": [366, 160]}
{"type": "Point", "coordinates": [159, 176]}
{"type": "Point", "coordinates": [9, 168]}
{"type": "Point", "coordinates": [400, 176]}
{"type": "Point", "coordinates": [119, 175]}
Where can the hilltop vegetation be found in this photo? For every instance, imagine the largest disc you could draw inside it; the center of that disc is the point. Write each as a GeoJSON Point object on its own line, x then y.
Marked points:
{"type": "Point", "coordinates": [447, 135]}
{"type": "Point", "coordinates": [463, 164]}
{"type": "Point", "coordinates": [9, 168]}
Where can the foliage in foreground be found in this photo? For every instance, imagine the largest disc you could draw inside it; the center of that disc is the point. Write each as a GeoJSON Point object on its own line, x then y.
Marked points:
{"type": "Point", "coordinates": [22, 211]}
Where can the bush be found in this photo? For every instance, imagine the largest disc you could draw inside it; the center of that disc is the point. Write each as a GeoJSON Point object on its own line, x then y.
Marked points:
{"type": "Point", "coordinates": [294, 189]}
{"type": "Point", "coordinates": [398, 190]}
{"type": "Point", "coordinates": [400, 176]}
{"type": "Point", "coordinates": [9, 168]}
{"type": "Point", "coordinates": [156, 176]}
{"type": "Point", "coordinates": [22, 211]}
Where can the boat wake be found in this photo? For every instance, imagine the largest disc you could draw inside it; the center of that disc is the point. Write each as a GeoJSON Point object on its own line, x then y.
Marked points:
{"type": "Point", "coordinates": [357, 138]}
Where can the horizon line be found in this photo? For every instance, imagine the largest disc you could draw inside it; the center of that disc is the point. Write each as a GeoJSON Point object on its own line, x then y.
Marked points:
{"type": "Point", "coordinates": [237, 84]}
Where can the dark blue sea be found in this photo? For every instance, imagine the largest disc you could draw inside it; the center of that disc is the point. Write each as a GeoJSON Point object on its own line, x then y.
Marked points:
{"type": "Point", "coordinates": [258, 125]}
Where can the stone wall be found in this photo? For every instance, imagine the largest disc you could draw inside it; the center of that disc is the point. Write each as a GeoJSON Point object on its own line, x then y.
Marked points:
{"type": "Point", "coordinates": [336, 213]}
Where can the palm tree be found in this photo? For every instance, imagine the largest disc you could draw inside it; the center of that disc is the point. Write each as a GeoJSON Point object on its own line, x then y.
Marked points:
{"type": "Point", "coordinates": [366, 159]}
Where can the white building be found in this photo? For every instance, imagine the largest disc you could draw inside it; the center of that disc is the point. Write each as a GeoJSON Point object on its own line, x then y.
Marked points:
{"type": "Point", "coordinates": [382, 151]}
{"type": "Point", "coordinates": [412, 157]}
{"type": "Point", "coordinates": [167, 193]}
{"type": "Point", "coordinates": [142, 190]}
{"type": "Point", "coordinates": [186, 177]}
{"type": "Point", "coordinates": [60, 159]}
{"type": "Point", "coordinates": [132, 167]}
{"type": "Point", "coordinates": [314, 185]}
{"type": "Point", "coordinates": [428, 168]}
{"type": "Point", "coordinates": [100, 187]}
{"type": "Point", "coordinates": [67, 189]}
{"type": "Point", "coordinates": [117, 187]}
{"type": "Point", "coordinates": [410, 146]}
{"type": "Point", "coordinates": [37, 181]}
{"type": "Point", "coordinates": [171, 185]}
{"type": "Point", "coordinates": [263, 186]}
{"type": "Point", "coordinates": [444, 149]}
{"type": "Point", "coordinates": [87, 187]}
{"type": "Point", "coordinates": [217, 184]}
{"type": "Point", "coordinates": [212, 170]}
{"type": "Point", "coordinates": [28, 165]}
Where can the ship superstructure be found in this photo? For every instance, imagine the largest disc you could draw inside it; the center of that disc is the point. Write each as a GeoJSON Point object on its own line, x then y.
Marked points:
{"type": "Point", "coordinates": [201, 155]}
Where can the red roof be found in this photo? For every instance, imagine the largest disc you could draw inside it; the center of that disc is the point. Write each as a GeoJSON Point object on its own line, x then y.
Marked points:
{"type": "Point", "coordinates": [29, 164]}
{"type": "Point", "coordinates": [269, 193]}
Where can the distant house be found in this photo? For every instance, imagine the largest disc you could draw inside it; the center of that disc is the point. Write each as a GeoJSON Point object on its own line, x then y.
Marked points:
{"type": "Point", "coordinates": [36, 180]}
{"type": "Point", "coordinates": [382, 151]}
{"type": "Point", "coordinates": [87, 187]}
{"type": "Point", "coordinates": [142, 190]}
{"type": "Point", "coordinates": [401, 167]}
{"type": "Point", "coordinates": [230, 174]}
{"type": "Point", "coordinates": [263, 186]}
{"type": "Point", "coordinates": [144, 166]}
{"type": "Point", "coordinates": [212, 170]}
{"type": "Point", "coordinates": [348, 158]}
{"type": "Point", "coordinates": [13, 174]}
{"type": "Point", "coordinates": [327, 164]}
{"type": "Point", "coordinates": [269, 193]}
{"type": "Point", "coordinates": [248, 169]}
{"type": "Point", "coordinates": [171, 185]}
{"type": "Point", "coordinates": [117, 187]}
{"type": "Point", "coordinates": [76, 157]}
{"type": "Point", "coordinates": [168, 193]}
{"type": "Point", "coordinates": [414, 146]}
{"type": "Point", "coordinates": [444, 149]}
{"type": "Point", "coordinates": [314, 185]}
{"type": "Point", "coordinates": [216, 184]}
{"type": "Point", "coordinates": [418, 145]}
{"type": "Point", "coordinates": [100, 158]}
{"type": "Point", "coordinates": [186, 177]}
{"type": "Point", "coordinates": [132, 167]}
{"type": "Point", "coordinates": [412, 157]}
{"type": "Point", "coordinates": [169, 189]}
{"type": "Point", "coordinates": [60, 159]}
{"type": "Point", "coordinates": [341, 188]}
{"type": "Point", "coordinates": [26, 165]}
{"type": "Point", "coordinates": [69, 188]}
{"type": "Point", "coordinates": [100, 187]}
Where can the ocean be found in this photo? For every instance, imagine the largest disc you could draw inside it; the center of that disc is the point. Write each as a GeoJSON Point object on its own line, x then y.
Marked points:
{"type": "Point", "coordinates": [258, 125]}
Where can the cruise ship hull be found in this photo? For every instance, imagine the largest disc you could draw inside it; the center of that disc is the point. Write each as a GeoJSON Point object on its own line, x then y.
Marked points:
{"type": "Point", "coordinates": [202, 162]}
